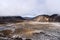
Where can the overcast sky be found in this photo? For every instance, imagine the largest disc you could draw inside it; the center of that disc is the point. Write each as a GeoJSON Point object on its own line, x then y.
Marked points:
{"type": "Point", "coordinates": [28, 7]}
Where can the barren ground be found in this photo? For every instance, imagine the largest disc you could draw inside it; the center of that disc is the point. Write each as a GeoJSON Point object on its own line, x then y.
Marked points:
{"type": "Point", "coordinates": [32, 30]}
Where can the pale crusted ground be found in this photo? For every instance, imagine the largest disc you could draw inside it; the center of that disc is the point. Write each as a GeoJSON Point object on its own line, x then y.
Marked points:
{"type": "Point", "coordinates": [34, 30]}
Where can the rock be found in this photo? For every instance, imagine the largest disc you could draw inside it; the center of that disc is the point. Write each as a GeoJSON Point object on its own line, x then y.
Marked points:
{"type": "Point", "coordinates": [6, 33]}
{"type": "Point", "coordinates": [18, 38]}
{"type": "Point", "coordinates": [41, 18]}
{"type": "Point", "coordinates": [27, 39]}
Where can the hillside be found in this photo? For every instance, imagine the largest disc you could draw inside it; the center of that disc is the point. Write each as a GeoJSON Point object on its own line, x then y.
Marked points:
{"type": "Point", "coordinates": [47, 18]}
{"type": "Point", "coordinates": [11, 19]}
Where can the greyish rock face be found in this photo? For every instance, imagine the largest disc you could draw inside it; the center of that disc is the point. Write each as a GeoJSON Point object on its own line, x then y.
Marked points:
{"type": "Point", "coordinates": [47, 18]}
{"type": "Point", "coordinates": [57, 19]}
{"type": "Point", "coordinates": [41, 18]}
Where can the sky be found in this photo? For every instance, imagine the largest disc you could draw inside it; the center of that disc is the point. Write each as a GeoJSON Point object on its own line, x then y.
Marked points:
{"type": "Point", "coordinates": [29, 7]}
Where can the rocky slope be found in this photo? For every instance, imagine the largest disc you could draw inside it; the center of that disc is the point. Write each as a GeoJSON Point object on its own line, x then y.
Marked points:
{"type": "Point", "coordinates": [41, 18]}
{"type": "Point", "coordinates": [47, 18]}
{"type": "Point", "coordinates": [11, 19]}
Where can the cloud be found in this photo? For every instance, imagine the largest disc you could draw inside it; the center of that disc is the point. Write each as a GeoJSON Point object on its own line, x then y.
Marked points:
{"type": "Point", "coordinates": [16, 7]}
{"type": "Point", "coordinates": [28, 7]}
{"type": "Point", "coordinates": [53, 6]}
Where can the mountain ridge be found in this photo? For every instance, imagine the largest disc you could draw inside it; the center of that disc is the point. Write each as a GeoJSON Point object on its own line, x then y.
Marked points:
{"type": "Point", "coordinates": [39, 18]}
